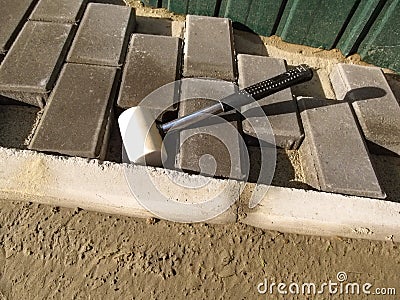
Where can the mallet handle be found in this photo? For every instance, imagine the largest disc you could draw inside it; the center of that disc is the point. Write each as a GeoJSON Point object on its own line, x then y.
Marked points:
{"type": "Point", "coordinates": [260, 90]}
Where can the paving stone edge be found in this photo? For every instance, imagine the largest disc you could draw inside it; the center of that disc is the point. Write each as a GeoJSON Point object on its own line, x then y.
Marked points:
{"type": "Point", "coordinates": [101, 186]}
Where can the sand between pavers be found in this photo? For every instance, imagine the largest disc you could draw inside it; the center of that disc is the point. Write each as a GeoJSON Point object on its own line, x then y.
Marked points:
{"type": "Point", "coordinates": [89, 184]}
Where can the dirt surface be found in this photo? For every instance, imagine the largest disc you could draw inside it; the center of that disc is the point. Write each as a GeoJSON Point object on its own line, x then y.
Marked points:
{"type": "Point", "coordinates": [57, 253]}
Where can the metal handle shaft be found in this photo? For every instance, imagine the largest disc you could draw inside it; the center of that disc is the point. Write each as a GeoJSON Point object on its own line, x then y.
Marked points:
{"type": "Point", "coordinates": [260, 90]}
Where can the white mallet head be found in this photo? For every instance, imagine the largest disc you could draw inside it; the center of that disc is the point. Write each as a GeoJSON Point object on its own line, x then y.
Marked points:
{"type": "Point", "coordinates": [141, 137]}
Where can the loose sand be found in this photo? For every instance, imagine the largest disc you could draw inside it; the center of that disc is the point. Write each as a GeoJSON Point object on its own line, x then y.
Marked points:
{"type": "Point", "coordinates": [58, 253]}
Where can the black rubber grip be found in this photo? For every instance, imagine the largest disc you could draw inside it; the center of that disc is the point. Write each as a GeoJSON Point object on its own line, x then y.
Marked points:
{"type": "Point", "coordinates": [300, 74]}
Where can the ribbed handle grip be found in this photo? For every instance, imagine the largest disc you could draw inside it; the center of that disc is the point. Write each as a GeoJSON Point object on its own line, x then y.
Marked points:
{"type": "Point", "coordinates": [300, 74]}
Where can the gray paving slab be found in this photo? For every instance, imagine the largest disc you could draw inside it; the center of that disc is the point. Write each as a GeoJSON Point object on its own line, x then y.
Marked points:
{"type": "Point", "coordinates": [155, 26]}
{"type": "Point", "coordinates": [214, 137]}
{"type": "Point", "coordinates": [152, 62]}
{"type": "Point", "coordinates": [334, 155]}
{"type": "Point", "coordinates": [76, 119]}
{"type": "Point", "coordinates": [280, 109]}
{"type": "Point", "coordinates": [209, 48]}
{"type": "Point", "coordinates": [32, 65]}
{"type": "Point", "coordinates": [13, 15]}
{"type": "Point", "coordinates": [61, 11]}
{"type": "Point", "coordinates": [16, 125]}
{"type": "Point", "coordinates": [103, 35]}
{"type": "Point", "coordinates": [374, 103]}
{"type": "Point", "coordinates": [9, 101]}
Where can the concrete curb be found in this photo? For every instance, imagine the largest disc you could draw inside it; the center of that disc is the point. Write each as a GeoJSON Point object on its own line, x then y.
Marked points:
{"type": "Point", "coordinates": [319, 213]}
{"type": "Point", "coordinates": [92, 185]}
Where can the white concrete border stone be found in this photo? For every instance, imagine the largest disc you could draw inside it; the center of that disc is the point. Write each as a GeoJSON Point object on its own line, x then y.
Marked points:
{"type": "Point", "coordinates": [319, 213]}
{"type": "Point", "coordinates": [89, 184]}
{"type": "Point", "coordinates": [97, 186]}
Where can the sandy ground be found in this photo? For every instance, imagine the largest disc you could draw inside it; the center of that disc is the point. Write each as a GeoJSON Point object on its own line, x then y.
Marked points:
{"type": "Point", "coordinates": [57, 253]}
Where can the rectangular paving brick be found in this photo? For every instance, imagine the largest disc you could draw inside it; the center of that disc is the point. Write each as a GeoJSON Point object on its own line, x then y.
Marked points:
{"type": "Point", "coordinates": [374, 103]}
{"type": "Point", "coordinates": [280, 108]}
{"type": "Point", "coordinates": [103, 35]}
{"type": "Point", "coordinates": [61, 11]}
{"type": "Point", "coordinates": [16, 124]}
{"type": "Point", "coordinates": [33, 63]}
{"type": "Point", "coordinates": [334, 155]}
{"type": "Point", "coordinates": [152, 62]}
{"type": "Point", "coordinates": [12, 17]}
{"type": "Point", "coordinates": [9, 101]}
{"type": "Point", "coordinates": [77, 118]}
{"type": "Point", "coordinates": [212, 137]}
{"type": "Point", "coordinates": [209, 48]}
